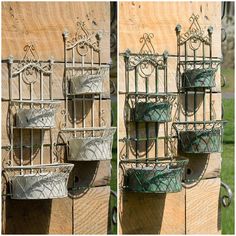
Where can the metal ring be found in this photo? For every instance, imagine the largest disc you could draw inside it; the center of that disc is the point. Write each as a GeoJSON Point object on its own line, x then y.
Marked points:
{"type": "Point", "coordinates": [226, 199]}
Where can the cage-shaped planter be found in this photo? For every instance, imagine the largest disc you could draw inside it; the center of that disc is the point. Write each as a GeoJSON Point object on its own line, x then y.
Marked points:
{"type": "Point", "coordinates": [200, 137]}
{"type": "Point", "coordinates": [150, 107]}
{"type": "Point", "coordinates": [199, 78]}
{"type": "Point", "coordinates": [86, 84]}
{"type": "Point", "coordinates": [35, 118]}
{"type": "Point", "coordinates": [45, 181]}
{"type": "Point", "coordinates": [156, 177]}
{"type": "Point", "coordinates": [92, 148]}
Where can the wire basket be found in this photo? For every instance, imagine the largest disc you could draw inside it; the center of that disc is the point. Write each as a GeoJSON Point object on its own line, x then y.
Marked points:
{"type": "Point", "coordinates": [86, 84]}
{"type": "Point", "coordinates": [199, 78]}
{"type": "Point", "coordinates": [35, 118]}
{"type": "Point", "coordinates": [150, 108]}
{"type": "Point", "coordinates": [92, 148]}
{"type": "Point", "coordinates": [200, 137]}
{"type": "Point", "coordinates": [45, 181]}
{"type": "Point", "coordinates": [153, 177]}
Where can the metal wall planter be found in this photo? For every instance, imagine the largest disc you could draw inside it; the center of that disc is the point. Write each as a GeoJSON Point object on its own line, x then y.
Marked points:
{"type": "Point", "coordinates": [35, 118]}
{"type": "Point", "coordinates": [39, 182]}
{"type": "Point", "coordinates": [156, 177]}
{"type": "Point", "coordinates": [151, 108]}
{"type": "Point", "coordinates": [33, 108]}
{"type": "Point", "coordinates": [91, 148]}
{"type": "Point", "coordinates": [148, 100]}
{"type": "Point", "coordinates": [199, 78]}
{"type": "Point", "coordinates": [86, 84]}
{"type": "Point", "coordinates": [200, 137]}
{"type": "Point", "coordinates": [84, 76]}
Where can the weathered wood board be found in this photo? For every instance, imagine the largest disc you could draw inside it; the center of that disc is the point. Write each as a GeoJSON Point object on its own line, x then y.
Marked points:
{"type": "Point", "coordinates": [202, 214]}
{"type": "Point", "coordinates": [44, 22]}
{"type": "Point", "coordinates": [136, 18]}
{"type": "Point", "coordinates": [88, 174]}
{"type": "Point", "coordinates": [142, 213]}
{"type": "Point", "coordinates": [38, 217]}
{"type": "Point", "coordinates": [90, 211]}
{"type": "Point", "coordinates": [85, 214]}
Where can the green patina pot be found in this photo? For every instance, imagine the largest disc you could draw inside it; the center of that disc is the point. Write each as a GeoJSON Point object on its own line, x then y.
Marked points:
{"type": "Point", "coordinates": [152, 112]}
{"type": "Point", "coordinates": [198, 78]}
{"type": "Point", "coordinates": [155, 180]}
{"type": "Point", "coordinates": [201, 141]}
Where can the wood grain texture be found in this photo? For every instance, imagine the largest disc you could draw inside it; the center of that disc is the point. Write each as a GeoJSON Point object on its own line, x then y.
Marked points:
{"type": "Point", "coordinates": [152, 213]}
{"type": "Point", "coordinates": [90, 174]}
{"type": "Point", "coordinates": [202, 214]}
{"type": "Point", "coordinates": [38, 217]}
{"type": "Point", "coordinates": [161, 18]}
{"type": "Point", "coordinates": [204, 167]}
{"type": "Point", "coordinates": [90, 211]}
{"type": "Point", "coordinates": [44, 22]}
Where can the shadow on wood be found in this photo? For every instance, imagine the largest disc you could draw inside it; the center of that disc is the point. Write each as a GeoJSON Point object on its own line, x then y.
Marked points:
{"type": "Point", "coordinates": [27, 216]}
{"type": "Point", "coordinates": [142, 213]}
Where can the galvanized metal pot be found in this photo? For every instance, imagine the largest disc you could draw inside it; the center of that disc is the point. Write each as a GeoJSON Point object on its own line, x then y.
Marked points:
{"type": "Point", "coordinates": [152, 112]}
{"type": "Point", "coordinates": [35, 118]}
{"type": "Point", "coordinates": [199, 78]}
{"type": "Point", "coordinates": [86, 84]}
{"type": "Point", "coordinates": [201, 141]}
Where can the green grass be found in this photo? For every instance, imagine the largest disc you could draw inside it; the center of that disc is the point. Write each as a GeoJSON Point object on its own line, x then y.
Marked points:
{"type": "Point", "coordinates": [114, 159]}
{"type": "Point", "coordinates": [229, 75]}
{"type": "Point", "coordinates": [227, 173]}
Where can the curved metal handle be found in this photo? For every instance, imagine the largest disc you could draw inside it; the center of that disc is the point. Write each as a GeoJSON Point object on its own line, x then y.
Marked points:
{"type": "Point", "coordinates": [226, 199]}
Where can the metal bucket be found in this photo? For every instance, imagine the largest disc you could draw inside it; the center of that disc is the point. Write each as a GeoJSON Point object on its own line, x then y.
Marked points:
{"type": "Point", "coordinates": [199, 78]}
{"type": "Point", "coordinates": [35, 118]}
{"type": "Point", "coordinates": [86, 84]}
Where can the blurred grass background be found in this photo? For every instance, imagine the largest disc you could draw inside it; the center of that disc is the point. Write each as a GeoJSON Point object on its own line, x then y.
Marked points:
{"type": "Point", "coordinates": [227, 172]}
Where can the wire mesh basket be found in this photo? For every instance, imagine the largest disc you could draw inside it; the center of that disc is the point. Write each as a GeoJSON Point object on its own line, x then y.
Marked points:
{"type": "Point", "coordinates": [92, 148]}
{"type": "Point", "coordinates": [45, 181]}
{"type": "Point", "coordinates": [86, 84]}
{"type": "Point", "coordinates": [153, 176]}
{"type": "Point", "coordinates": [199, 78]}
{"type": "Point", "coordinates": [200, 137]}
{"type": "Point", "coordinates": [35, 118]}
{"type": "Point", "coordinates": [150, 108]}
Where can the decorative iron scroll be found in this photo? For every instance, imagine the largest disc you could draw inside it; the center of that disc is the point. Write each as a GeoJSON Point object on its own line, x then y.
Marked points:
{"type": "Point", "coordinates": [82, 40]}
{"type": "Point", "coordinates": [30, 66]}
{"type": "Point", "coordinates": [195, 34]}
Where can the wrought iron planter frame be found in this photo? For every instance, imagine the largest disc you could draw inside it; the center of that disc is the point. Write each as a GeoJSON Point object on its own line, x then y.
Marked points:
{"type": "Point", "coordinates": [196, 42]}
{"type": "Point", "coordinates": [82, 46]}
{"type": "Point", "coordinates": [29, 72]}
{"type": "Point", "coordinates": [146, 64]}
